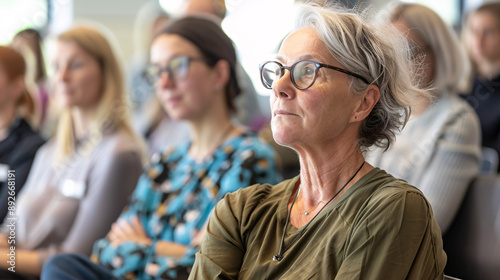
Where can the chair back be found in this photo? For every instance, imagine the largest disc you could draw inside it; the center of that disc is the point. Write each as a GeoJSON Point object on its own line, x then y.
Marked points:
{"type": "Point", "coordinates": [472, 243]}
{"type": "Point", "coordinates": [489, 161]}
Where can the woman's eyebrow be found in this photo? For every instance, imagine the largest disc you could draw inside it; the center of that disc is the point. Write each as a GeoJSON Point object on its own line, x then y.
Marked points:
{"type": "Point", "coordinates": [280, 58]}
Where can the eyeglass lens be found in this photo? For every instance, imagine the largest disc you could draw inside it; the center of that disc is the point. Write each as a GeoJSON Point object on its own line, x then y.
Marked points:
{"type": "Point", "coordinates": [303, 73]}
{"type": "Point", "coordinates": [177, 69]}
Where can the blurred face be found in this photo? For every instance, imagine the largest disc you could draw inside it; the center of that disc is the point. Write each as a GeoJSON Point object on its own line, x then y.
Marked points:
{"type": "Point", "coordinates": [319, 113]}
{"type": "Point", "coordinates": [423, 57]}
{"type": "Point", "coordinates": [77, 77]}
{"type": "Point", "coordinates": [484, 37]}
{"type": "Point", "coordinates": [186, 91]}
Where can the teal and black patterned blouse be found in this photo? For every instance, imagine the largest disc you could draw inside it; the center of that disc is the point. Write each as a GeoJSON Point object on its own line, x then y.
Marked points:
{"type": "Point", "coordinates": [174, 198]}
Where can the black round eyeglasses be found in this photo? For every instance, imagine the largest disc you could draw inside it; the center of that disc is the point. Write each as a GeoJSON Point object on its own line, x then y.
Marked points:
{"type": "Point", "coordinates": [302, 73]}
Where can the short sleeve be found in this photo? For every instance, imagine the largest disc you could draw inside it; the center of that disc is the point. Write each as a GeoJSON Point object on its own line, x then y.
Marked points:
{"type": "Point", "coordinates": [222, 243]}
{"type": "Point", "coordinates": [394, 237]}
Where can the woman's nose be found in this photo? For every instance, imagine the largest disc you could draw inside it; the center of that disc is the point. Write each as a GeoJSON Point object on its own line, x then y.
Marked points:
{"type": "Point", "coordinates": [62, 74]}
{"type": "Point", "coordinates": [283, 87]}
{"type": "Point", "coordinates": [165, 80]}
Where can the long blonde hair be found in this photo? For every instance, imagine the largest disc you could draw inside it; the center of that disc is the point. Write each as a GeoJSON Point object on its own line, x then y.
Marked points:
{"type": "Point", "coordinates": [113, 108]}
{"type": "Point", "coordinates": [452, 65]}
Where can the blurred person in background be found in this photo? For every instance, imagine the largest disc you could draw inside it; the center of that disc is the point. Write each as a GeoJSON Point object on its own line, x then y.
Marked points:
{"type": "Point", "coordinates": [149, 118]}
{"type": "Point", "coordinates": [81, 179]}
{"type": "Point", "coordinates": [482, 39]}
{"type": "Point", "coordinates": [249, 112]}
{"type": "Point", "coordinates": [29, 43]}
{"type": "Point", "coordinates": [19, 141]}
{"type": "Point", "coordinates": [159, 130]}
{"type": "Point", "coordinates": [193, 68]}
{"type": "Point", "coordinates": [438, 151]}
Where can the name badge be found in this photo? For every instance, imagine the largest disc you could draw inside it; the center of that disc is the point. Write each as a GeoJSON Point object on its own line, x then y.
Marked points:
{"type": "Point", "coordinates": [73, 189]}
{"type": "Point", "coordinates": [4, 169]}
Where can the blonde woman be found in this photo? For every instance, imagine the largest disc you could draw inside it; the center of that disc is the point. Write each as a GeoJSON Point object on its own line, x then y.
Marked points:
{"type": "Point", "coordinates": [438, 151]}
{"type": "Point", "coordinates": [18, 140]}
{"type": "Point", "coordinates": [80, 180]}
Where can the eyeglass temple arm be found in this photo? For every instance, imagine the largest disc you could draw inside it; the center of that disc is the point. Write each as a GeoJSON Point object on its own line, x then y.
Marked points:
{"type": "Point", "coordinates": [345, 72]}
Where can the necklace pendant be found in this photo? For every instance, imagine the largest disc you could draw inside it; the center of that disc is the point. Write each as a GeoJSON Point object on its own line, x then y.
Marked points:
{"type": "Point", "coordinates": [277, 258]}
{"type": "Point", "coordinates": [306, 213]}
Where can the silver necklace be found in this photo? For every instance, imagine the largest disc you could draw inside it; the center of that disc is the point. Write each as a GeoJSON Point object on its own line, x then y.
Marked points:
{"type": "Point", "coordinates": [278, 257]}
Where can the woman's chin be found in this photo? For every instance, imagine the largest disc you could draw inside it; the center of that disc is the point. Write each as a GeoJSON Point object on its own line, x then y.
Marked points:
{"type": "Point", "coordinates": [282, 138]}
{"type": "Point", "coordinates": [67, 104]}
{"type": "Point", "coordinates": [174, 113]}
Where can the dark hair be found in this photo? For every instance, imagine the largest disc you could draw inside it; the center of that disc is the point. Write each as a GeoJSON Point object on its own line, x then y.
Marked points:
{"type": "Point", "coordinates": [492, 8]}
{"type": "Point", "coordinates": [213, 43]}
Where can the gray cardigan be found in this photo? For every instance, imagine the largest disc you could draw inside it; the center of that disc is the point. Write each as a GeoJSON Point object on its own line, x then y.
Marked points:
{"type": "Point", "coordinates": [438, 152]}
{"type": "Point", "coordinates": [67, 208]}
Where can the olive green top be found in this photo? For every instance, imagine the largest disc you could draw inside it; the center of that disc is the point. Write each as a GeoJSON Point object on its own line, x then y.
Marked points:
{"type": "Point", "coordinates": [381, 228]}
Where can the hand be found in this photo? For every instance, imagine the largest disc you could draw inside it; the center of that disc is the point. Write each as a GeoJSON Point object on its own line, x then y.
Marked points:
{"type": "Point", "coordinates": [123, 231]}
{"type": "Point", "coordinates": [198, 237]}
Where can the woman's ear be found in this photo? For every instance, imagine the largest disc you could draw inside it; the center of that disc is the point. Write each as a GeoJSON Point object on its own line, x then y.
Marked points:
{"type": "Point", "coordinates": [222, 72]}
{"type": "Point", "coordinates": [368, 100]}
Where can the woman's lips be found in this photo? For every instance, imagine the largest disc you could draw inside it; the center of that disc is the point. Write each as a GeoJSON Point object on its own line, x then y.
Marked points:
{"type": "Point", "coordinates": [173, 101]}
{"type": "Point", "coordinates": [283, 113]}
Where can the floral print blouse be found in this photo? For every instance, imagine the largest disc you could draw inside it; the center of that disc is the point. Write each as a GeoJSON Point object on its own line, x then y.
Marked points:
{"type": "Point", "coordinates": [174, 198]}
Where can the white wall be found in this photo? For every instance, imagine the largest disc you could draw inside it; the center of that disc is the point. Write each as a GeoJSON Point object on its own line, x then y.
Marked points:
{"type": "Point", "coordinates": [116, 15]}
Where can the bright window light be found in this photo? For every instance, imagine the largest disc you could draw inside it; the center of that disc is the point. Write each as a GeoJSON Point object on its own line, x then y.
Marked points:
{"type": "Point", "coordinates": [257, 28]}
{"type": "Point", "coordinates": [449, 10]}
{"type": "Point", "coordinates": [172, 7]}
{"type": "Point", "coordinates": [16, 15]}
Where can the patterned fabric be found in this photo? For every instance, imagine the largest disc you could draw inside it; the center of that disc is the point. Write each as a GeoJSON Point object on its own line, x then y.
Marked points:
{"type": "Point", "coordinates": [174, 198]}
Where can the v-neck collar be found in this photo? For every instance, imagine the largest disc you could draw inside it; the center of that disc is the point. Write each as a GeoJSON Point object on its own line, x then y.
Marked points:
{"type": "Point", "coordinates": [293, 184]}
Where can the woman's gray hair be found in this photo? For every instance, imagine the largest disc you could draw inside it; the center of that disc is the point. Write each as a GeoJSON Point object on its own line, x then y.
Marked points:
{"type": "Point", "coordinates": [375, 50]}
{"type": "Point", "coordinates": [453, 68]}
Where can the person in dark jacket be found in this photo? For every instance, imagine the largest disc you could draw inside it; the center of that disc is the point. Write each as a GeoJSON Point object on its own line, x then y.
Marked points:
{"type": "Point", "coordinates": [18, 140]}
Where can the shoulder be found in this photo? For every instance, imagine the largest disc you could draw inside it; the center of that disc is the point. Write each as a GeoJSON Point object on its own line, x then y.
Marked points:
{"type": "Point", "coordinates": [28, 138]}
{"type": "Point", "coordinates": [22, 144]}
{"type": "Point", "coordinates": [381, 183]}
{"type": "Point", "coordinates": [462, 123]}
{"type": "Point", "coordinates": [118, 142]}
{"type": "Point", "coordinates": [248, 150]}
{"type": "Point", "coordinates": [451, 118]}
{"type": "Point", "coordinates": [248, 205]}
{"type": "Point", "coordinates": [249, 142]}
{"type": "Point", "coordinates": [388, 195]}
{"type": "Point", "coordinates": [258, 193]}
{"type": "Point", "coordinates": [171, 153]}
{"type": "Point", "coordinates": [118, 150]}
{"type": "Point", "coordinates": [48, 149]}
{"type": "Point", "coordinates": [457, 108]}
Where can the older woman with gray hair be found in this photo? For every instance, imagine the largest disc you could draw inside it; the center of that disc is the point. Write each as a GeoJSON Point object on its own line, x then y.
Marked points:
{"type": "Point", "coordinates": [339, 85]}
{"type": "Point", "coordinates": [439, 149]}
